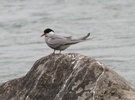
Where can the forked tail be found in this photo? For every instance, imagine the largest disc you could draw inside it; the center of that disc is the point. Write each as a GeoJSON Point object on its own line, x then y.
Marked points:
{"type": "Point", "coordinates": [82, 38]}
{"type": "Point", "coordinates": [85, 37]}
{"type": "Point", "coordinates": [74, 41]}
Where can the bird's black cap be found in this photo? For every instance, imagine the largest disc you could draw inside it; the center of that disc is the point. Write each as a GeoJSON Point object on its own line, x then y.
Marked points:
{"type": "Point", "coordinates": [48, 30]}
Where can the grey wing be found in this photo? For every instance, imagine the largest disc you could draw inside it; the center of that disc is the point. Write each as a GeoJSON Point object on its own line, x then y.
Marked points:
{"type": "Point", "coordinates": [68, 37]}
{"type": "Point", "coordinates": [55, 42]}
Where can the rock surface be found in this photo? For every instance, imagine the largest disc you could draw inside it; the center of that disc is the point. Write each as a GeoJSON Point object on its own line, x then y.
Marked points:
{"type": "Point", "coordinates": [68, 77]}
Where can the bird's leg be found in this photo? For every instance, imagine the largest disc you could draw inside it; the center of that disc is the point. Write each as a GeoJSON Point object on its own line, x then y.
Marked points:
{"type": "Point", "coordinates": [60, 52]}
{"type": "Point", "coordinates": [54, 52]}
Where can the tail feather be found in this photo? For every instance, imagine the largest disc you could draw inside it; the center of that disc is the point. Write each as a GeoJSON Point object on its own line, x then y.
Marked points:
{"type": "Point", "coordinates": [83, 38]}
{"type": "Point", "coordinates": [74, 41]}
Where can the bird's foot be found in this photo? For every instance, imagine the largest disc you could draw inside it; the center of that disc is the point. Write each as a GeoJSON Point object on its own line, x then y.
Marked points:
{"type": "Point", "coordinates": [60, 52]}
{"type": "Point", "coordinates": [54, 52]}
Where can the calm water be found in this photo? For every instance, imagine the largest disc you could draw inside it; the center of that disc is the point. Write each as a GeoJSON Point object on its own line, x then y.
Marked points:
{"type": "Point", "coordinates": [22, 22]}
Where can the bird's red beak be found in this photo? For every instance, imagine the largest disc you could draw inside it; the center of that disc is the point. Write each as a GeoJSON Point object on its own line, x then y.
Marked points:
{"type": "Point", "coordinates": [42, 35]}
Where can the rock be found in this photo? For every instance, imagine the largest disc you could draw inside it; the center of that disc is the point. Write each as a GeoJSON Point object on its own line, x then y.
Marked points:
{"type": "Point", "coordinates": [68, 77]}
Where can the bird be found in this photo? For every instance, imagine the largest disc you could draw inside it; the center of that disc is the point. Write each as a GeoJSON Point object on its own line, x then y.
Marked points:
{"type": "Point", "coordinates": [57, 42]}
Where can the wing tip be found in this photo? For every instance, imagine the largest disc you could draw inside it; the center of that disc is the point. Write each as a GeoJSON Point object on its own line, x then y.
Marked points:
{"type": "Point", "coordinates": [88, 34]}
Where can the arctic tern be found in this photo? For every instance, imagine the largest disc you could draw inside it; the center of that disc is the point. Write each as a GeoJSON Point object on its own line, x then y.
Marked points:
{"type": "Point", "coordinates": [61, 43]}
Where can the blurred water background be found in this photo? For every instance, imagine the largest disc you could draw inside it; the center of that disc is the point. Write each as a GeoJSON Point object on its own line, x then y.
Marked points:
{"type": "Point", "coordinates": [22, 22]}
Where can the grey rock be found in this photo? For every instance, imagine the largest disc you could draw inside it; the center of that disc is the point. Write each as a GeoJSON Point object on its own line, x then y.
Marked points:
{"type": "Point", "coordinates": [68, 77]}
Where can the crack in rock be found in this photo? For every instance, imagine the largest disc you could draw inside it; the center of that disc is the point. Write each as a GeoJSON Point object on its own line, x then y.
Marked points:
{"type": "Point", "coordinates": [93, 90]}
{"type": "Point", "coordinates": [74, 73]}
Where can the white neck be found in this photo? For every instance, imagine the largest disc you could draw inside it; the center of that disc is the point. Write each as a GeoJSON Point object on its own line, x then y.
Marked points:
{"type": "Point", "coordinates": [51, 33]}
